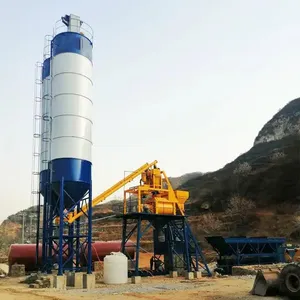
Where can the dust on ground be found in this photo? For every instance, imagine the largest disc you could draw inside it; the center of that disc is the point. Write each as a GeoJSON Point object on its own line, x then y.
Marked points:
{"type": "Point", "coordinates": [151, 288]}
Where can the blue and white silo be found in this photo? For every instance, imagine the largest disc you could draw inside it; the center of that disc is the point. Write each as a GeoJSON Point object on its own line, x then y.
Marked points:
{"type": "Point", "coordinates": [66, 161]}
{"type": "Point", "coordinates": [71, 111]}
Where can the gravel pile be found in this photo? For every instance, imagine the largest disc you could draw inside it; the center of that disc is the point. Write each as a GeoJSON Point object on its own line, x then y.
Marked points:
{"type": "Point", "coordinates": [141, 288]}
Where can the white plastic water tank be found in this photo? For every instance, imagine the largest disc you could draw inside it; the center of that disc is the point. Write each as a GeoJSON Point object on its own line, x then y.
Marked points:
{"type": "Point", "coordinates": [115, 268]}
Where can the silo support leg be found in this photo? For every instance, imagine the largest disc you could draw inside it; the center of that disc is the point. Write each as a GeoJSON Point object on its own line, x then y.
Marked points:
{"type": "Point", "coordinates": [61, 228]}
{"type": "Point", "coordinates": [89, 267]}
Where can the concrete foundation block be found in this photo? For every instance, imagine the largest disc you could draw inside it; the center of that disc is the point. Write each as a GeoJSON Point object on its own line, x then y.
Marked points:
{"type": "Point", "coordinates": [136, 279]}
{"type": "Point", "coordinates": [197, 274]}
{"type": "Point", "coordinates": [60, 282]}
{"type": "Point", "coordinates": [173, 274]}
{"type": "Point", "coordinates": [189, 275]}
{"type": "Point", "coordinates": [75, 279]}
{"type": "Point", "coordinates": [70, 278]}
{"type": "Point", "coordinates": [89, 281]}
{"type": "Point", "coordinates": [78, 280]}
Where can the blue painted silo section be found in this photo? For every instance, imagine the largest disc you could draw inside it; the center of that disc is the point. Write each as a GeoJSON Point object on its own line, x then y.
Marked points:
{"type": "Point", "coordinates": [44, 178]}
{"type": "Point", "coordinates": [71, 115]}
{"type": "Point", "coordinates": [77, 175]}
{"type": "Point", "coordinates": [46, 68]}
{"type": "Point", "coordinates": [72, 42]}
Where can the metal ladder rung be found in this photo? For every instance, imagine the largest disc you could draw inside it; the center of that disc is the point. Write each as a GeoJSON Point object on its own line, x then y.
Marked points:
{"type": "Point", "coordinates": [46, 118]}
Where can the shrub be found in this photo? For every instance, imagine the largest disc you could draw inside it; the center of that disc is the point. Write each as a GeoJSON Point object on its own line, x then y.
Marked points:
{"type": "Point", "coordinates": [210, 223]}
{"type": "Point", "coordinates": [242, 169]}
{"type": "Point", "coordinates": [277, 155]}
{"type": "Point", "coordinates": [240, 209]}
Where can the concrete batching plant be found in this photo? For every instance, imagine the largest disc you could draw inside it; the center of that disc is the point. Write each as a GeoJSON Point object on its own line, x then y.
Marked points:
{"type": "Point", "coordinates": [63, 127]}
{"type": "Point", "coordinates": [65, 135]}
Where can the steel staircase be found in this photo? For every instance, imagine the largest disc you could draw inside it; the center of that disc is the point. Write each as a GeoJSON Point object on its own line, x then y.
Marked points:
{"type": "Point", "coordinates": [190, 249]}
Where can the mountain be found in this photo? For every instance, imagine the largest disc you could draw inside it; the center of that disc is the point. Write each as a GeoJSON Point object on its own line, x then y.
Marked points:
{"type": "Point", "coordinates": [268, 173]}
{"type": "Point", "coordinates": [285, 123]}
{"type": "Point", "coordinates": [177, 181]}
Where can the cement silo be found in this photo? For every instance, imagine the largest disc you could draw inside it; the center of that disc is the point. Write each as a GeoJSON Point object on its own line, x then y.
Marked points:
{"type": "Point", "coordinates": [66, 144]}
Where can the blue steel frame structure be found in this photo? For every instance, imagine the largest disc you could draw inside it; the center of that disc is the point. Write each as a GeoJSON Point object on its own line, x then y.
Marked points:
{"type": "Point", "coordinates": [64, 243]}
{"type": "Point", "coordinates": [178, 242]}
{"type": "Point", "coordinates": [237, 251]}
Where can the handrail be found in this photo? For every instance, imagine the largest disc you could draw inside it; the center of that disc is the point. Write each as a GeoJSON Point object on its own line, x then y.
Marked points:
{"type": "Point", "coordinates": [85, 28]}
{"type": "Point", "coordinates": [71, 218]}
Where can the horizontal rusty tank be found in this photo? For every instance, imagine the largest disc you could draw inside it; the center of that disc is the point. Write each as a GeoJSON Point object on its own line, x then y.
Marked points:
{"type": "Point", "coordinates": [100, 249]}
{"type": "Point", "coordinates": [25, 254]}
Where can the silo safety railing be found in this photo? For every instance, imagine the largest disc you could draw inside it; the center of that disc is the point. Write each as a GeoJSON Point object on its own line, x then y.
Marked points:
{"type": "Point", "coordinates": [85, 29]}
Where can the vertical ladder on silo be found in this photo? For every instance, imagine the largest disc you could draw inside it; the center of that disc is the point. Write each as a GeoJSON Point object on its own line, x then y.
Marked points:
{"type": "Point", "coordinates": [36, 143]}
{"type": "Point", "coordinates": [46, 156]}
{"type": "Point", "coordinates": [47, 100]}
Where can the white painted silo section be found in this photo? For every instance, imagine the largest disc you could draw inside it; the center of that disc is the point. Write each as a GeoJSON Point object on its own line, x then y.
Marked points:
{"type": "Point", "coordinates": [71, 109]}
{"type": "Point", "coordinates": [45, 127]}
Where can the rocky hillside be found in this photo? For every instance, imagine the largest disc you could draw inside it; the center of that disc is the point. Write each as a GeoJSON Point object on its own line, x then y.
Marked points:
{"type": "Point", "coordinates": [285, 123]}
{"type": "Point", "coordinates": [177, 181]}
{"type": "Point", "coordinates": [268, 173]}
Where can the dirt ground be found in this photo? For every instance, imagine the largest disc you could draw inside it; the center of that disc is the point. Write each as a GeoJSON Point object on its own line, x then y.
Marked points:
{"type": "Point", "coordinates": [155, 288]}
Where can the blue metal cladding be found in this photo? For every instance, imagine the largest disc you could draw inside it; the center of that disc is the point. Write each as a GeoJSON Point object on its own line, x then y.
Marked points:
{"type": "Point", "coordinates": [72, 169]}
{"type": "Point", "coordinates": [77, 174]}
{"type": "Point", "coordinates": [46, 68]}
{"type": "Point", "coordinates": [44, 179]}
{"type": "Point", "coordinates": [72, 42]}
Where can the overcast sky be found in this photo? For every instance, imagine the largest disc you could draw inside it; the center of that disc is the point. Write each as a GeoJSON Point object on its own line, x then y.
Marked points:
{"type": "Point", "coordinates": [187, 82]}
